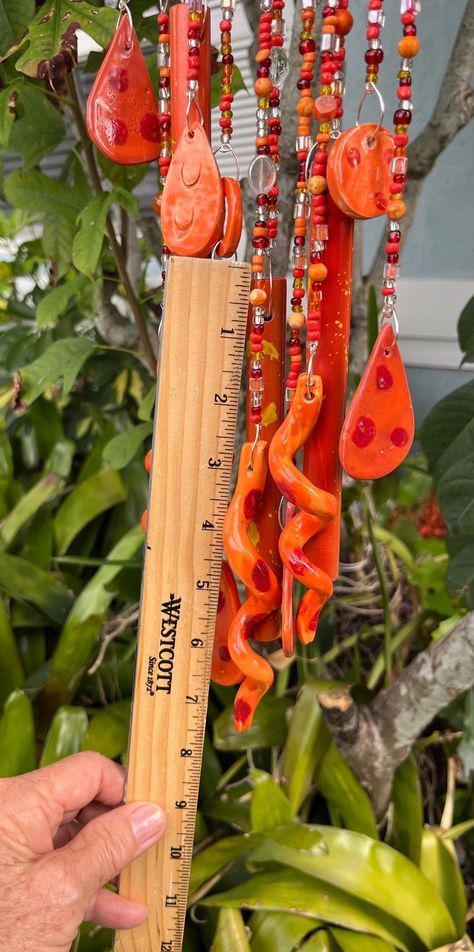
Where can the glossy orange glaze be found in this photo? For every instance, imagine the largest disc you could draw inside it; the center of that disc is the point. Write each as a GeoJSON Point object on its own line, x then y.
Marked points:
{"type": "Point", "coordinates": [224, 670]}
{"type": "Point", "coordinates": [316, 507]}
{"type": "Point", "coordinates": [257, 576]}
{"type": "Point", "coordinates": [287, 617]}
{"type": "Point", "coordinates": [358, 171]}
{"type": "Point", "coordinates": [233, 226]}
{"type": "Point", "coordinates": [192, 204]}
{"type": "Point", "coordinates": [379, 427]}
{"type": "Point", "coordinates": [122, 112]}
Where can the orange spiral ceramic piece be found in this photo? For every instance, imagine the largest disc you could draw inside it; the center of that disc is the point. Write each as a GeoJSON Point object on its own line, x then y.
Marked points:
{"type": "Point", "coordinates": [233, 226]}
{"type": "Point", "coordinates": [287, 619]}
{"type": "Point", "coordinates": [257, 576]}
{"type": "Point", "coordinates": [316, 507]}
{"type": "Point", "coordinates": [224, 670]}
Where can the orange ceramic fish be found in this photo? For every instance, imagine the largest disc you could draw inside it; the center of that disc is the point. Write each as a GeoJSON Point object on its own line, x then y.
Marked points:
{"type": "Point", "coordinates": [358, 171]}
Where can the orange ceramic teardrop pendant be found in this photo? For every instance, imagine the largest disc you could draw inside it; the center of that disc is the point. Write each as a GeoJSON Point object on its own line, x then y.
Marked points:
{"type": "Point", "coordinates": [122, 112]}
{"type": "Point", "coordinates": [379, 427]}
{"type": "Point", "coordinates": [192, 205]}
{"type": "Point", "coordinates": [358, 171]}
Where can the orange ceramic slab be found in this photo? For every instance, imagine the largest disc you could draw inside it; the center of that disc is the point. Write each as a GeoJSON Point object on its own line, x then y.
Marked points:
{"type": "Point", "coordinates": [358, 171]}
{"type": "Point", "coordinates": [379, 427]}
{"type": "Point", "coordinates": [122, 113]}
{"type": "Point", "coordinates": [192, 205]}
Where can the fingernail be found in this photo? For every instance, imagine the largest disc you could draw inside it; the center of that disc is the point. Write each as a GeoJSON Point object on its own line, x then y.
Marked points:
{"type": "Point", "coordinates": [148, 822]}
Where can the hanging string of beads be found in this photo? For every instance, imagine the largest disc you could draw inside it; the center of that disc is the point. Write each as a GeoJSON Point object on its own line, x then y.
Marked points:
{"type": "Point", "coordinates": [408, 48]}
{"type": "Point", "coordinates": [374, 53]}
{"type": "Point", "coordinates": [296, 319]}
{"type": "Point", "coordinates": [278, 74]}
{"type": "Point", "coordinates": [328, 111]}
{"type": "Point", "coordinates": [227, 59]}
{"type": "Point", "coordinates": [164, 115]}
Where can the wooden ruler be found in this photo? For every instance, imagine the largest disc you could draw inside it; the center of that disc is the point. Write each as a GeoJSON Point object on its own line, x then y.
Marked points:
{"type": "Point", "coordinates": [195, 419]}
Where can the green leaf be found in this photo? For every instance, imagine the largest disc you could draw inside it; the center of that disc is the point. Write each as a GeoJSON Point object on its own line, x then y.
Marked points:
{"type": "Point", "coordinates": [7, 111]}
{"type": "Point", "coordinates": [54, 304]}
{"type": "Point", "coordinates": [42, 492]}
{"type": "Point", "coordinates": [84, 623]}
{"type": "Point", "coordinates": [306, 744]}
{"type": "Point", "coordinates": [351, 942]}
{"type": "Point", "coordinates": [231, 934]}
{"type": "Point", "coordinates": [145, 410]}
{"type": "Point", "coordinates": [122, 448]}
{"type": "Point", "coordinates": [46, 31]}
{"type": "Point", "coordinates": [460, 575]}
{"type": "Point", "coordinates": [38, 129]}
{"type": "Point", "coordinates": [41, 195]}
{"type": "Point", "coordinates": [462, 446]}
{"type": "Point", "coordinates": [407, 810]}
{"type": "Point", "coordinates": [125, 176]}
{"type": "Point", "coordinates": [92, 220]}
{"type": "Point", "coordinates": [368, 871]}
{"type": "Point", "coordinates": [65, 734]}
{"type": "Point", "coordinates": [460, 829]}
{"type": "Point", "coordinates": [316, 900]}
{"type": "Point", "coordinates": [268, 728]}
{"type": "Point", "coordinates": [466, 330]}
{"type": "Point", "coordinates": [15, 16]}
{"type": "Point", "coordinates": [279, 931]}
{"type": "Point", "coordinates": [217, 857]}
{"type": "Point", "coordinates": [344, 793]}
{"type": "Point", "coordinates": [88, 500]}
{"type": "Point", "coordinates": [63, 360]}
{"type": "Point", "coordinates": [269, 806]}
{"type": "Point", "coordinates": [322, 941]}
{"type": "Point", "coordinates": [456, 496]}
{"type": "Point", "coordinates": [17, 736]}
{"type": "Point", "coordinates": [446, 420]}
{"type": "Point", "coordinates": [108, 730]}
{"type": "Point", "coordinates": [439, 864]}
{"type": "Point", "coordinates": [58, 234]}
{"type": "Point", "coordinates": [11, 668]}
{"type": "Point", "coordinates": [27, 583]}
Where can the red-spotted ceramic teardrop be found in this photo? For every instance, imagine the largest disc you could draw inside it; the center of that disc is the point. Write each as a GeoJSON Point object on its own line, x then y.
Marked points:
{"type": "Point", "coordinates": [379, 427]}
{"type": "Point", "coordinates": [122, 112]}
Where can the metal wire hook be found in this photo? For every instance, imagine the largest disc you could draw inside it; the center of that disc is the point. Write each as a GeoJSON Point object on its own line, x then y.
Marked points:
{"type": "Point", "coordinates": [163, 5]}
{"type": "Point", "coordinates": [312, 353]}
{"type": "Point", "coordinates": [258, 431]}
{"type": "Point", "coordinates": [124, 9]}
{"type": "Point", "coordinates": [369, 89]}
{"type": "Point", "coordinates": [216, 257]}
{"type": "Point", "coordinates": [226, 147]}
{"type": "Point", "coordinates": [389, 316]}
{"type": "Point", "coordinates": [309, 159]}
{"type": "Point", "coordinates": [192, 98]}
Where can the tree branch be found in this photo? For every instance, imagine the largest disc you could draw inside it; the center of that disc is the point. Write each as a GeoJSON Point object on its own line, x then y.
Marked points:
{"type": "Point", "coordinates": [374, 740]}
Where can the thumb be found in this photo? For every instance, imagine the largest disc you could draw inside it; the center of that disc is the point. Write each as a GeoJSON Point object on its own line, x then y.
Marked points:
{"type": "Point", "coordinates": [110, 842]}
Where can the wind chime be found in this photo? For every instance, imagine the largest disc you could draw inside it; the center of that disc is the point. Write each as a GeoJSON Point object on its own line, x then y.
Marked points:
{"type": "Point", "coordinates": [358, 174]}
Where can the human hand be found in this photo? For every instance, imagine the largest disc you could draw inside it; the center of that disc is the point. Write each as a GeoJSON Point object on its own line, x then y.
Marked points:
{"type": "Point", "coordinates": [64, 833]}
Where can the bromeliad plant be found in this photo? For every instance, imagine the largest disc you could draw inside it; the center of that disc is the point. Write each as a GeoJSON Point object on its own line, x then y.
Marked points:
{"type": "Point", "coordinates": [301, 843]}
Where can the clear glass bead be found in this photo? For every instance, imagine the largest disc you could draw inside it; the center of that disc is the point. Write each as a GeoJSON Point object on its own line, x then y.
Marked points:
{"type": "Point", "coordinates": [258, 316]}
{"type": "Point", "coordinates": [256, 384]}
{"type": "Point", "coordinates": [256, 399]}
{"type": "Point", "coordinates": [255, 366]}
{"type": "Point", "coordinates": [299, 260]}
{"type": "Point", "coordinates": [399, 165]}
{"type": "Point", "coordinates": [303, 143]}
{"type": "Point", "coordinates": [317, 245]}
{"type": "Point", "coordinates": [266, 5]}
{"type": "Point", "coordinates": [164, 92]}
{"type": "Point", "coordinates": [375, 44]}
{"type": "Point", "coordinates": [261, 114]}
{"type": "Point", "coordinates": [279, 68]}
{"type": "Point", "coordinates": [321, 233]}
{"type": "Point", "coordinates": [163, 107]}
{"type": "Point", "coordinates": [195, 6]}
{"type": "Point", "coordinates": [391, 272]}
{"type": "Point", "coordinates": [261, 174]}
{"type": "Point", "coordinates": [376, 16]}
{"type": "Point", "coordinates": [410, 6]}
{"type": "Point", "coordinates": [330, 42]}
{"type": "Point", "coordinates": [339, 87]}
{"type": "Point", "coordinates": [279, 27]}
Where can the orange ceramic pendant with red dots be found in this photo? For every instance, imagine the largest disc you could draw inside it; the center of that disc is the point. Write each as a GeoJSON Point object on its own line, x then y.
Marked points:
{"type": "Point", "coordinates": [358, 171]}
{"type": "Point", "coordinates": [379, 427]}
{"type": "Point", "coordinates": [122, 112]}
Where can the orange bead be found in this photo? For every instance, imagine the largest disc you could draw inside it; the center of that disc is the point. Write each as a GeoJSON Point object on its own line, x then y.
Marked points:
{"type": "Point", "coordinates": [325, 107]}
{"type": "Point", "coordinates": [157, 203]}
{"type": "Point", "coordinates": [344, 22]}
{"type": "Point", "coordinates": [317, 272]}
{"type": "Point", "coordinates": [323, 137]}
{"type": "Point", "coordinates": [396, 210]}
{"type": "Point", "coordinates": [258, 297]}
{"type": "Point", "coordinates": [408, 46]}
{"type": "Point", "coordinates": [317, 184]}
{"type": "Point", "coordinates": [328, 29]}
{"type": "Point", "coordinates": [263, 87]}
{"type": "Point", "coordinates": [296, 320]}
{"type": "Point", "coordinates": [262, 55]}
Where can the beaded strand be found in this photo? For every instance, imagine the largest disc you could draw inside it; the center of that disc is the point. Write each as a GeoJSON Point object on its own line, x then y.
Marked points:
{"type": "Point", "coordinates": [408, 48]}
{"type": "Point", "coordinates": [164, 118]}
{"type": "Point", "coordinates": [227, 59]}
{"type": "Point", "coordinates": [374, 54]}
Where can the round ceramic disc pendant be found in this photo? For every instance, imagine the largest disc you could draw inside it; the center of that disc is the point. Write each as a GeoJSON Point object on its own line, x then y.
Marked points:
{"type": "Point", "coordinates": [358, 171]}
{"type": "Point", "coordinates": [122, 112]}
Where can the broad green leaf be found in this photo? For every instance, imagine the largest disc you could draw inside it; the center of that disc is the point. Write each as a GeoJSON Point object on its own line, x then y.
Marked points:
{"type": "Point", "coordinates": [58, 233]}
{"type": "Point", "coordinates": [65, 734]}
{"type": "Point", "coordinates": [439, 864]}
{"type": "Point", "coordinates": [231, 934]}
{"type": "Point", "coordinates": [42, 492]}
{"type": "Point", "coordinates": [307, 741]}
{"type": "Point", "coordinates": [15, 16]}
{"type": "Point", "coordinates": [466, 330]}
{"type": "Point", "coordinates": [88, 241]}
{"type": "Point", "coordinates": [460, 575]}
{"type": "Point", "coordinates": [122, 448]}
{"type": "Point", "coordinates": [46, 31]}
{"type": "Point", "coordinates": [125, 176]}
{"type": "Point", "coordinates": [145, 410]}
{"type": "Point", "coordinates": [446, 420]}
{"type": "Point", "coordinates": [351, 942]}
{"type": "Point", "coordinates": [278, 931]}
{"type": "Point", "coordinates": [17, 736]}
{"type": "Point", "coordinates": [54, 304]}
{"type": "Point", "coordinates": [407, 810]}
{"type": "Point", "coordinates": [11, 668]}
{"type": "Point", "coordinates": [268, 728]}
{"type": "Point", "coordinates": [63, 360]}
{"type": "Point", "coordinates": [344, 793]}
{"type": "Point", "coordinates": [88, 500]}
{"type": "Point", "coordinates": [210, 861]}
{"type": "Point", "coordinates": [108, 730]}
{"type": "Point", "coordinates": [456, 496]}
{"type": "Point", "coordinates": [323, 941]}
{"type": "Point", "coordinates": [460, 829]}
{"type": "Point", "coordinates": [306, 896]}
{"type": "Point", "coordinates": [39, 127]}
{"type": "Point", "coordinates": [461, 446]}
{"type": "Point", "coordinates": [369, 871]}
{"type": "Point", "coordinates": [26, 582]}
{"type": "Point", "coordinates": [269, 806]}
{"type": "Point", "coordinates": [84, 624]}
{"type": "Point", "coordinates": [38, 193]}
{"type": "Point", "coordinates": [7, 111]}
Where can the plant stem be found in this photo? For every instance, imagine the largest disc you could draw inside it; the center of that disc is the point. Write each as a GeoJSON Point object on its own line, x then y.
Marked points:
{"type": "Point", "coordinates": [117, 251]}
{"type": "Point", "coordinates": [384, 593]}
